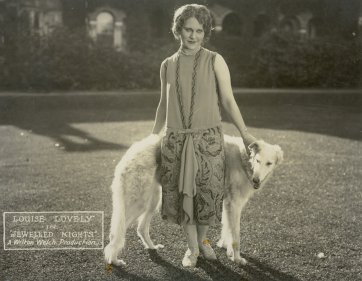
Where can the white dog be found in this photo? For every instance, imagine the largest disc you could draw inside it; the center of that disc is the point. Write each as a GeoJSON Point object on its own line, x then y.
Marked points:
{"type": "Point", "coordinates": [244, 174]}
{"type": "Point", "coordinates": [136, 192]}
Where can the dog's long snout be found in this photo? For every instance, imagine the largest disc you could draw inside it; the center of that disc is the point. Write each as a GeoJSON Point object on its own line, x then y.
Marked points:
{"type": "Point", "coordinates": [256, 180]}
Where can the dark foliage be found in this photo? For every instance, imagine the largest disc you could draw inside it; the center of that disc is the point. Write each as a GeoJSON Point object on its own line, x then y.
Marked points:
{"type": "Point", "coordinates": [69, 60]}
{"type": "Point", "coordinates": [283, 61]}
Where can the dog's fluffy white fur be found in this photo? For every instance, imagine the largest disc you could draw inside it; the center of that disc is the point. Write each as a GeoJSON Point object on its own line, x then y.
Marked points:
{"type": "Point", "coordinates": [136, 192]}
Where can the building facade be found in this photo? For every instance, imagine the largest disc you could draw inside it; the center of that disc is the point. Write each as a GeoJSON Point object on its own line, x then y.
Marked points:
{"type": "Point", "coordinates": [106, 21]}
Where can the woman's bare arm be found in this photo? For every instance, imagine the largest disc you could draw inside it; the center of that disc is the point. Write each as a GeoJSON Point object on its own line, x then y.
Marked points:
{"type": "Point", "coordinates": [160, 118]}
{"type": "Point", "coordinates": [228, 100]}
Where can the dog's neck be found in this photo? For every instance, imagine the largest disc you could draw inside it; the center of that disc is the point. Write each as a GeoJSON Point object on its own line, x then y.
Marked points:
{"type": "Point", "coordinates": [246, 165]}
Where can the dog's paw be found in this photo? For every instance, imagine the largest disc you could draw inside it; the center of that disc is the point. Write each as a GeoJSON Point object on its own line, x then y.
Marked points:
{"type": "Point", "coordinates": [116, 262]}
{"type": "Point", "coordinates": [155, 247]}
{"type": "Point", "coordinates": [237, 260]}
{"type": "Point", "coordinates": [221, 243]}
{"type": "Point", "coordinates": [240, 261]}
{"type": "Point", "coordinates": [230, 253]}
{"type": "Point", "coordinates": [110, 256]}
{"type": "Point", "coordinates": [159, 246]}
{"type": "Point", "coordinates": [235, 257]}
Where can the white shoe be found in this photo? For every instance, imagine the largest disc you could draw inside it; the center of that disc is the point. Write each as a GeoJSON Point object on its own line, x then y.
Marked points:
{"type": "Point", "coordinates": [207, 251]}
{"type": "Point", "coordinates": [190, 259]}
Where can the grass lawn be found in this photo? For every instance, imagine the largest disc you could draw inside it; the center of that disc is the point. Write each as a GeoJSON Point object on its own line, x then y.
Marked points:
{"type": "Point", "coordinates": [59, 155]}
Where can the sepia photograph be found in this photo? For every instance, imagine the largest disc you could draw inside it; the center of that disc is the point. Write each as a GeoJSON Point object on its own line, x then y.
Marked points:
{"type": "Point", "coordinates": [181, 140]}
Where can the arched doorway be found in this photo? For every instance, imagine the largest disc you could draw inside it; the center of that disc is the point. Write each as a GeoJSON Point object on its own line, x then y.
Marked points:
{"type": "Point", "coordinates": [290, 25]}
{"type": "Point", "coordinates": [105, 29]}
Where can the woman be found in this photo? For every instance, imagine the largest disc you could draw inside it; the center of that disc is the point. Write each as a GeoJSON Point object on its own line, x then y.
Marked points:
{"type": "Point", "coordinates": [193, 81]}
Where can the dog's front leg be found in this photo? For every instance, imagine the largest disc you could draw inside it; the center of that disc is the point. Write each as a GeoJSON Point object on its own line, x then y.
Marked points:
{"type": "Point", "coordinates": [233, 247]}
{"type": "Point", "coordinates": [225, 232]}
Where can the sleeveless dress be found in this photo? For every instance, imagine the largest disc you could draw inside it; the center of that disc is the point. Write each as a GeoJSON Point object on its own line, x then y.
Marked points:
{"type": "Point", "coordinates": [192, 149]}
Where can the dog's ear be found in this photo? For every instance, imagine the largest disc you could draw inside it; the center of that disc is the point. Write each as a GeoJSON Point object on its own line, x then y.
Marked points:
{"type": "Point", "coordinates": [280, 154]}
{"type": "Point", "coordinates": [253, 147]}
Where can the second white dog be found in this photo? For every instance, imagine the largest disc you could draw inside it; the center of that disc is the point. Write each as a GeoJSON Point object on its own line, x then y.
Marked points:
{"type": "Point", "coordinates": [136, 192]}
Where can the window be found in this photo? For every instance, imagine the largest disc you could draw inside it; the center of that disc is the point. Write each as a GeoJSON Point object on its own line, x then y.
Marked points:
{"type": "Point", "coordinates": [290, 25]}
{"type": "Point", "coordinates": [105, 29]}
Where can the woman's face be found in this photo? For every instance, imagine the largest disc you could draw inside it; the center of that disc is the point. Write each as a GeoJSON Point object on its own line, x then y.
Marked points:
{"type": "Point", "coordinates": [192, 34]}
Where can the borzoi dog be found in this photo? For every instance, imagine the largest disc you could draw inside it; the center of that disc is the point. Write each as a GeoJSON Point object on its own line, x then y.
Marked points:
{"type": "Point", "coordinates": [136, 192]}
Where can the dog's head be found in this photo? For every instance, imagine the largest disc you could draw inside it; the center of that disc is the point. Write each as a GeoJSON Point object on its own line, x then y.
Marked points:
{"type": "Point", "coordinates": [264, 158]}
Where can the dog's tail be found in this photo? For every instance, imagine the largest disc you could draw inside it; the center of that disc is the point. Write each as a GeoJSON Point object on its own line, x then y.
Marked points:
{"type": "Point", "coordinates": [118, 222]}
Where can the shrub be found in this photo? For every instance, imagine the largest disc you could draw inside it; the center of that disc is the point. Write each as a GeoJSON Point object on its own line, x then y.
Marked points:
{"type": "Point", "coordinates": [288, 62]}
{"type": "Point", "coordinates": [69, 60]}
{"type": "Point", "coordinates": [236, 52]}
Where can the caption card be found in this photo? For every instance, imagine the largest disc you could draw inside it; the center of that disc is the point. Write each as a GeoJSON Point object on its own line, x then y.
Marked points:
{"type": "Point", "coordinates": [53, 230]}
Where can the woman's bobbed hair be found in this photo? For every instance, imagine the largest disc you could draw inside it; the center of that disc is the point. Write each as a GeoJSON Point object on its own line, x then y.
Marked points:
{"type": "Point", "coordinates": [200, 12]}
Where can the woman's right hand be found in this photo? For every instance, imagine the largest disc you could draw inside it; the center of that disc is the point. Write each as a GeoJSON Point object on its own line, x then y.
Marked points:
{"type": "Point", "coordinates": [248, 139]}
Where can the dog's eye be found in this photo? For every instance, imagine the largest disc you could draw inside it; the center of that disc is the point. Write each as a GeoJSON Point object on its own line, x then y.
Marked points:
{"type": "Point", "coordinates": [269, 163]}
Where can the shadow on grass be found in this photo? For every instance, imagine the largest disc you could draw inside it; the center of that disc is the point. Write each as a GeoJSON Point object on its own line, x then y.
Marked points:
{"type": "Point", "coordinates": [71, 139]}
{"type": "Point", "coordinates": [55, 123]}
{"type": "Point", "coordinates": [259, 271]}
{"type": "Point", "coordinates": [217, 271]}
{"type": "Point", "coordinates": [175, 272]}
{"type": "Point", "coordinates": [122, 274]}
{"type": "Point", "coordinates": [336, 114]}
